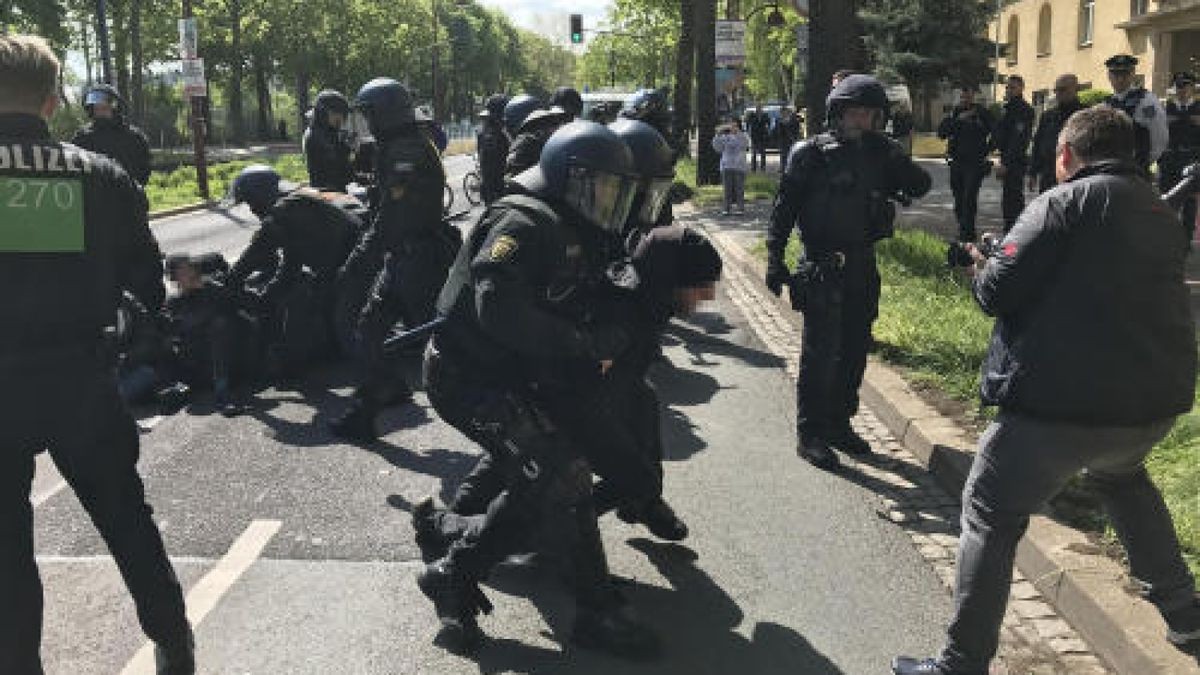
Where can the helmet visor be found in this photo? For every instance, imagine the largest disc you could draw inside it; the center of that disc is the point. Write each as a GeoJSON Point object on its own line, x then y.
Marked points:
{"type": "Point", "coordinates": [655, 194]}
{"type": "Point", "coordinates": [602, 198]}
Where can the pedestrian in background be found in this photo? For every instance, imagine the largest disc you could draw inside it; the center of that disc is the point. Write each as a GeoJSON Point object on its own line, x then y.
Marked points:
{"type": "Point", "coordinates": [1045, 139]}
{"type": "Point", "coordinates": [1071, 370]}
{"type": "Point", "coordinates": [758, 123]}
{"type": "Point", "coordinates": [733, 143]}
{"type": "Point", "coordinates": [787, 132]}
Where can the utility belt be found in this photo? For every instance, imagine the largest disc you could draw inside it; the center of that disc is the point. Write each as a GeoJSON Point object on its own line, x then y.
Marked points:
{"type": "Point", "coordinates": [816, 285]}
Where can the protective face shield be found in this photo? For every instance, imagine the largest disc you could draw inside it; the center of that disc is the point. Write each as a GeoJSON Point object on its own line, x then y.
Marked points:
{"type": "Point", "coordinates": [356, 124]}
{"type": "Point", "coordinates": [601, 198]}
{"type": "Point", "coordinates": [654, 194]}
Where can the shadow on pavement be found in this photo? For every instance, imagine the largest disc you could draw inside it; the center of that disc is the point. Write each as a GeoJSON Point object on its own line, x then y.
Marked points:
{"type": "Point", "coordinates": [696, 619]}
{"type": "Point", "coordinates": [699, 341]}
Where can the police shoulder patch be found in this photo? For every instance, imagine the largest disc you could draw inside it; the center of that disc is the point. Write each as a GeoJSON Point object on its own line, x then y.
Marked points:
{"type": "Point", "coordinates": [503, 248]}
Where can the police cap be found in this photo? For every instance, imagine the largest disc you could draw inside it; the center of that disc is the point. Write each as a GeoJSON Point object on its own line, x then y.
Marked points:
{"type": "Point", "coordinates": [1121, 63]}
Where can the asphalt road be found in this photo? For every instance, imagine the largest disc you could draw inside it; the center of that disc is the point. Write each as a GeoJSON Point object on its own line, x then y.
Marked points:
{"type": "Point", "coordinates": [297, 553]}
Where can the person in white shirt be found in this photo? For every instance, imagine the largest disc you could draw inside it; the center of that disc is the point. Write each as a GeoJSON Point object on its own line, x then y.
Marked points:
{"type": "Point", "coordinates": [733, 143]}
{"type": "Point", "coordinates": [1149, 117]}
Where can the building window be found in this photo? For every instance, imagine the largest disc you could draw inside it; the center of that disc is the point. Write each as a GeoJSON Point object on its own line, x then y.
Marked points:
{"type": "Point", "coordinates": [1087, 22]}
{"type": "Point", "coordinates": [1138, 7]}
{"type": "Point", "coordinates": [1014, 32]}
{"type": "Point", "coordinates": [1043, 38]}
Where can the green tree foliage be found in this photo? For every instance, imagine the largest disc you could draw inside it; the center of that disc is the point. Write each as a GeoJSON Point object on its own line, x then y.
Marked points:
{"type": "Point", "coordinates": [926, 43]}
{"type": "Point", "coordinates": [640, 50]}
{"type": "Point", "coordinates": [771, 60]}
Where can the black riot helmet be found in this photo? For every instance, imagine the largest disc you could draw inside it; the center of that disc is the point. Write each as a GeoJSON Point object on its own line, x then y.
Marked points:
{"type": "Point", "coordinates": [654, 161]}
{"type": "Point", "coordinates": [386, 104]}
{"type": "Point", "coordinates": [856, 90]}
{"type": "Point", "coordinates": [569, 100]}
{"type": "Point", "coordinates": [649, 106]}
{"type": "Point", "coordinates": [103, 93]}
{"type": "Point", "coordinates": [329, 101]}
{"type": "Point", "coordinates": [493, 108]}
{"type": "Point", "coordinates": [518, 108]}
{"type": "Point", "coordinates": [589, 169]}
{"type": "Point", "coordinates": [259, 186]}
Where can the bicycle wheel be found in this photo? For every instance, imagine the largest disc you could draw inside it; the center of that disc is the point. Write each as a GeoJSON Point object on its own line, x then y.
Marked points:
{"type": "Point", "coordinates": [472, 186]}
{"type": "Point", "coordinates": [447, 199]}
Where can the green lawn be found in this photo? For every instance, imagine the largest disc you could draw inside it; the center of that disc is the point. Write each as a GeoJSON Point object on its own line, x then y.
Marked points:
{"type": "Point", "coordinates": [930, 325]}
{"type": "Point", "coordinates": [178, 188]}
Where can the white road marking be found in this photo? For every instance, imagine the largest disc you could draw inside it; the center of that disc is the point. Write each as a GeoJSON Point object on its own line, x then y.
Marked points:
{"type": "Point", "coordinates": [46, 480]}
{"type": "Point", "coordinates": [207, 592]}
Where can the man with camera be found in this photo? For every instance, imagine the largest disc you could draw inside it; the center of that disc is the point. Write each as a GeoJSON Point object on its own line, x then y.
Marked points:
{"type": "Point", "coordinates": [1091, 358]}
{"type": "Point", "coordinates": [837, 190]}
{"type": "Point", "coordinates": [967, 130]}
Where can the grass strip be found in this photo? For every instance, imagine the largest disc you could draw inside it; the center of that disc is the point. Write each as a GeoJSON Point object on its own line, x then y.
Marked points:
{"type": "Point", "coordinates": [178, 187]}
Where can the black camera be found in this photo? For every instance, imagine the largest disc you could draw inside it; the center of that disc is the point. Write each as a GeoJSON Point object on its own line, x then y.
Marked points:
{"type": "Point", "coordinates": [957, 254]}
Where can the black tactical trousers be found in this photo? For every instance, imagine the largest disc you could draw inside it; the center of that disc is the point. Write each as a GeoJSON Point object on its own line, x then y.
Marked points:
{"type": "Point", "coordinates": [404, 296]}
{"type": "Point", "coordinates": [966, 177]}
{"type": "Point", "coordinates": [540, 472]}
{"type": "Point", "coordinates": [833, 355]}
{"type": "Point", "coordinates": [217, 354]}
{"type": "Point", "coordinates": [616, 426]}
{"type": "Point", "coordinates": [1012, 197]}
{"type": "Point", "coordinates": [69, 406]}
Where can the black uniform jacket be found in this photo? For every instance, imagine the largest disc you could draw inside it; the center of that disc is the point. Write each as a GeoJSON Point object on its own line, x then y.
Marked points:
{"type": "Point", "coordinates": [1012, 134]}
{"type": "Point", "coordinates": [119, 141]}
{"type": "Point", "coordinates": [1093, 321]}
{"type": "Point", "coordinates": [74, 236]}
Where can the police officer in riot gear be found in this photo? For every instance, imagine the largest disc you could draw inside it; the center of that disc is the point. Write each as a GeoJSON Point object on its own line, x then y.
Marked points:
{"type": "Point", "coordinates": [64, 261]}
{"type": "Point", "coordinates": [650, 106]}
{"type": "Point", "coordinates": [1183, 148]}
{"type": "Point", "coordinates": [967, 130]}
{"type": "Point", "coordinates": [532, 132]}
{"type": "Point", "coordinates": [516, 110]}
{"type": "Point", "coordinates": [328, 149]}
{"type": "Point", "coordinates": [1011, 139]}
{"type": "Point", "coordinates": [836, 192]}
{"type": "Point", "coordinates": [300, 229]}
{"type": "Point", "coordinates": [408, 239]}
{"type": "Point", "coordinates": [569, 100]}
{"type": "Point", "coordinates": [492, 148]}
{"type": "Point", "coordinates": [110, 133]}
{"type": "Point", "coordinates": [1149, 118]}
{"type": "Point", "coordinates": [517, 326]}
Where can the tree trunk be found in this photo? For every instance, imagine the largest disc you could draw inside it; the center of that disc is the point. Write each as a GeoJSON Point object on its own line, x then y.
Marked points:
{"type": "Point", "coordinates": [85, 33]}
{"type": "Point", "coordinates": [120, 18]}
{"type": "Point", "coordinates": [302, 102]}
{"type": "Point", "coordinates": [137, 101]}
{"type": "Point", "coordinates": [262, 89]}
{"type": "Point", "coordinates": [237, 121]}
{"type": "Point", "coordinates": [834, 44]}
{"type": "Point", "coordinates": [685, 72]}
{"type": "Point", "coordinates": [708, 167]}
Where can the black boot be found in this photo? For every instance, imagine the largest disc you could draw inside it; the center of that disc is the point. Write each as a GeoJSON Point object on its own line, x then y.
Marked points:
{"type": "Point", "coordinates": [659, 518]}
{"type": "Point", "coordinates": [1183, 624]}
{"type": "Point", "coordinates": [433, 546]}
{"type": "Point", "coordinates": [617, 631]}
{"type": "Point", "coordinates": [176, 659]}
{"type": "Point", "coordinates": [357, 425]}
{"type": "Point", "coordinates": [903, 665]}
{"type": "Point", "coordinates": [816, 451]}
{"type": "Point", "coordinates": [456, 600]}
{"type": "Point", "coordinates": [846, 439]}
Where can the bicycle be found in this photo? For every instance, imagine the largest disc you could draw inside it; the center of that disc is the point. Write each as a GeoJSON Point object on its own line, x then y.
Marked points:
{"type": "Point", "coordinates": [473, 185]}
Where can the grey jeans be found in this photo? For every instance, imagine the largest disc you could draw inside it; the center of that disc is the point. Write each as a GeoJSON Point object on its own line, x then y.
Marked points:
{"type": "Point", "coordinates": [1021, 464]}
{"type": "Point", "coordinates": [735, 188]}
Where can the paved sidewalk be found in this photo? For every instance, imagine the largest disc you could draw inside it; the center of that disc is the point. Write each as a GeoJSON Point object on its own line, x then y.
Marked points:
{"type": "Point", "coordinates": [1035, 639]}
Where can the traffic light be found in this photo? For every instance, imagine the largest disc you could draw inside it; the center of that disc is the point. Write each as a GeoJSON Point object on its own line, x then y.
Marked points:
{"type": "Point", "coordinates": [576, 29]}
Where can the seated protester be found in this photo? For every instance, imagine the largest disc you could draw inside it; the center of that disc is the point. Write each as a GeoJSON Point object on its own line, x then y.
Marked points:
{"type": "Point", "coordinates": [142, 350]}
{"type": "Point", "coordinates": [299, 229]}
{"type": "Point", "coordinates": [213, 330]}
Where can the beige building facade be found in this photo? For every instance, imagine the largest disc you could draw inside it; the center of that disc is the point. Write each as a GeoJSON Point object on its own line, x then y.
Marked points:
{"type": "Point", "coordinates": [1041, 39]}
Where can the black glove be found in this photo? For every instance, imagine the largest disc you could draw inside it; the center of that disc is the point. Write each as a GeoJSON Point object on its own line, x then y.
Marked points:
{"type": "Point", "coordinates": [777, 276]}
{"type": "Point", "coordinates": [605, 342]}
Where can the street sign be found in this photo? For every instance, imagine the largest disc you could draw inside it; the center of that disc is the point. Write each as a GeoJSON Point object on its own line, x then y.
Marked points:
{"type": "Point", "coordinates": [189, 39]}
{"type": "Point", "coordinates": [193, 78]}
{"type": "Point", "coordinates": [731, 43]}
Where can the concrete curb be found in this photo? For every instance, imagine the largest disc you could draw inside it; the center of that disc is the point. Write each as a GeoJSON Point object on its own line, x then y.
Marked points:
{"type": "Point", "coordinates": [180, 210]}
{"type": "Point", "coordinates": [1087, 588]}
